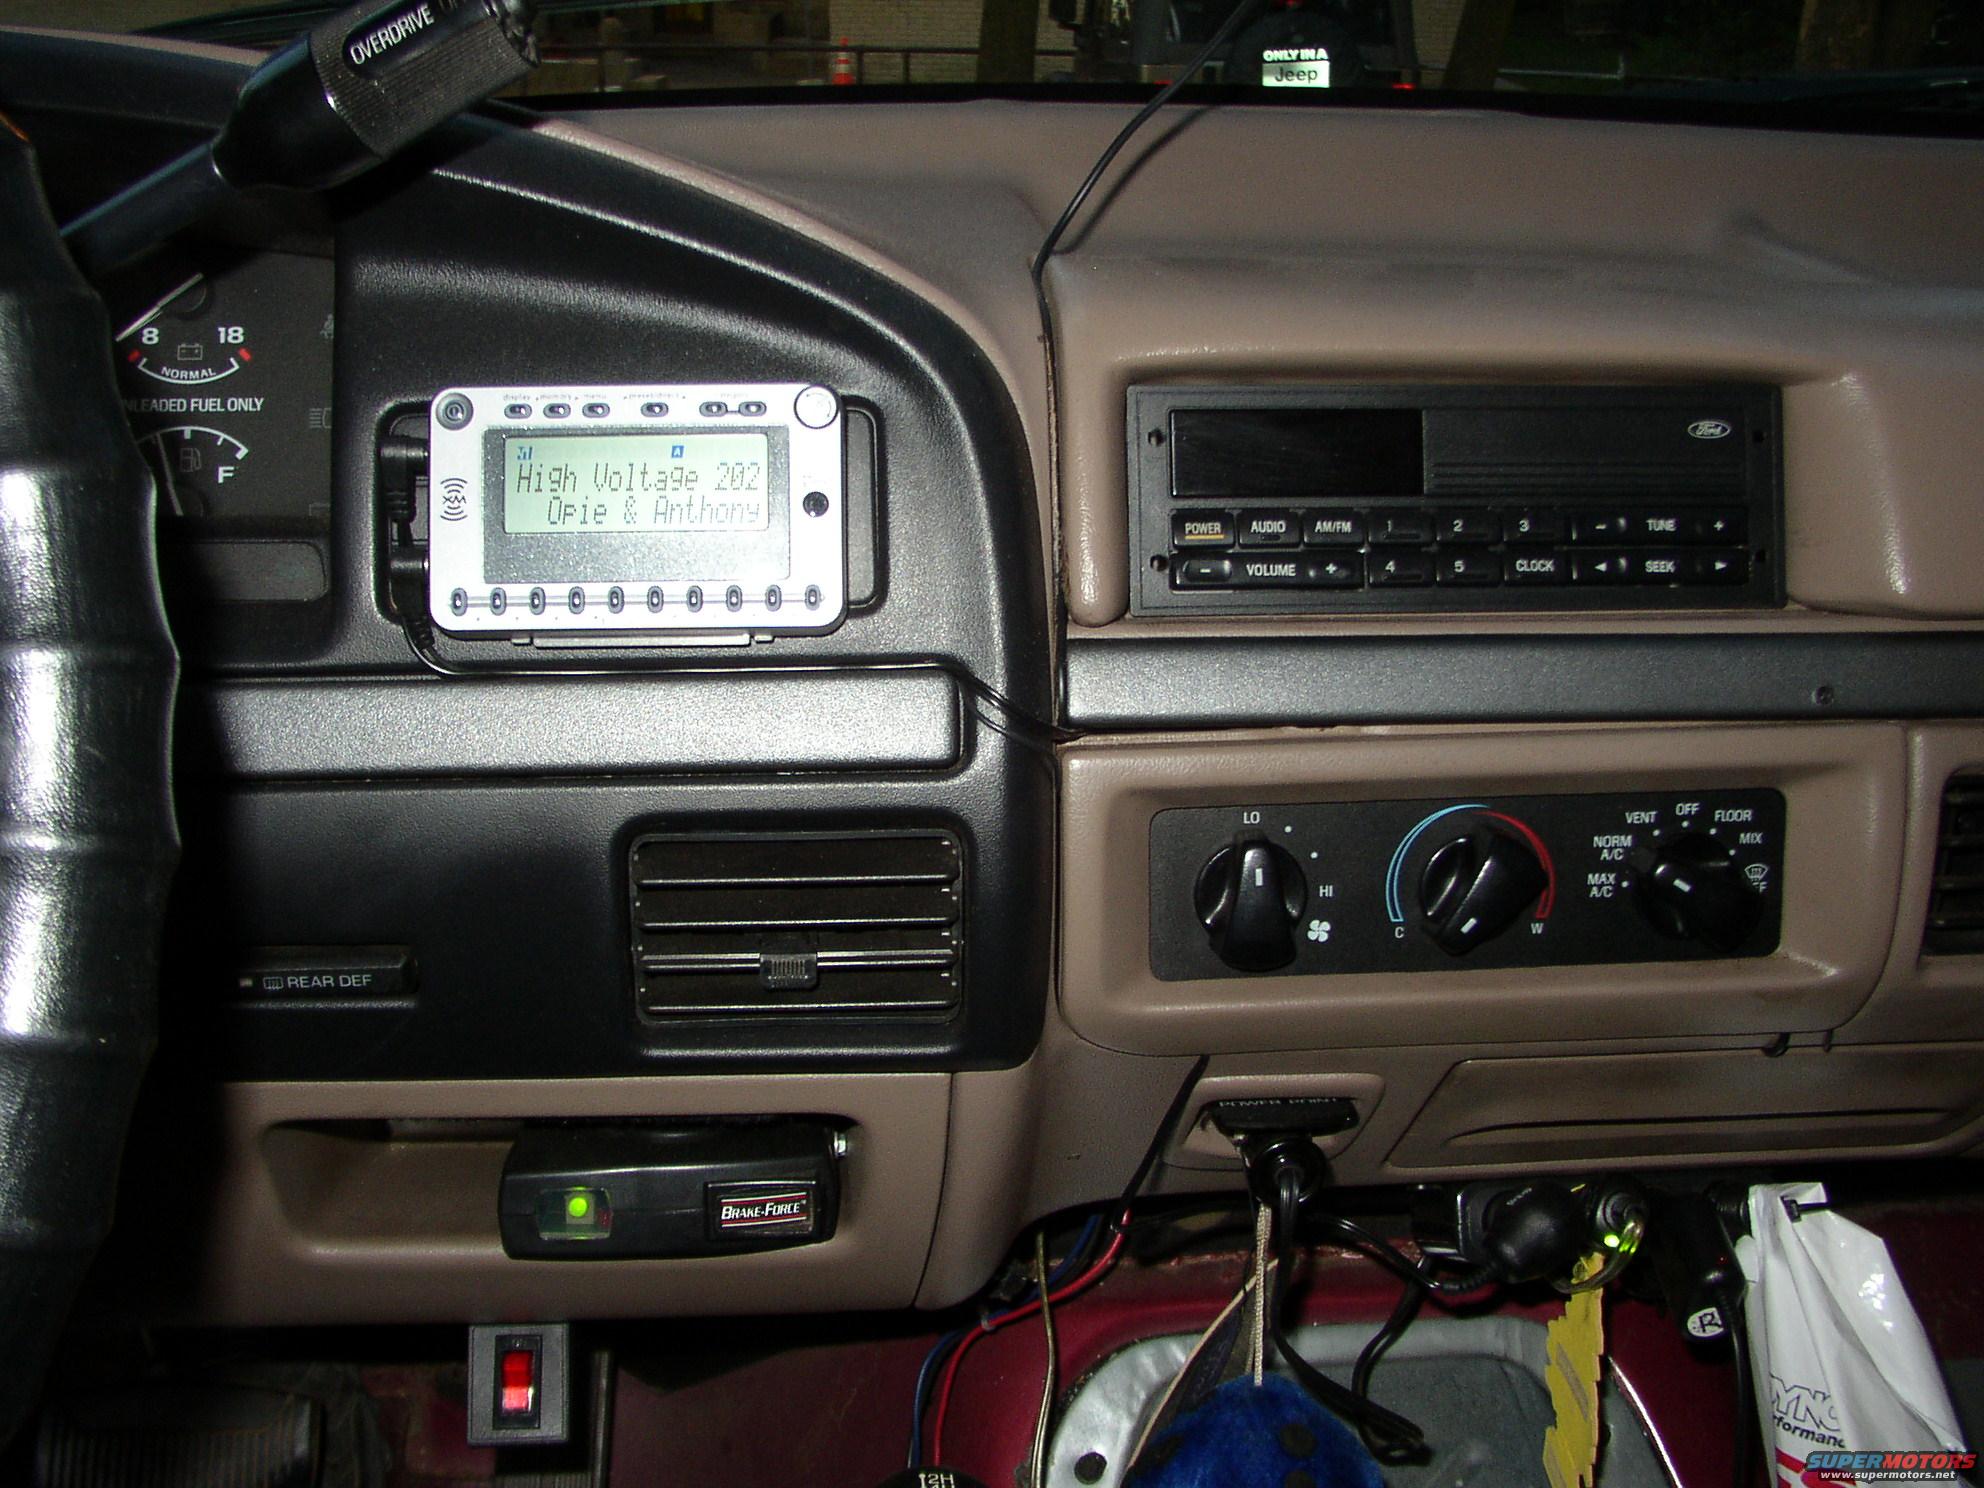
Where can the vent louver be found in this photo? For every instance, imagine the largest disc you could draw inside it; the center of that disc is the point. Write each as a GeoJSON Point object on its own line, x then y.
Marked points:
{"type": "Point", "coordinates": [854, 924]}
{"type": "Point", "coordinates": [1956, 898]}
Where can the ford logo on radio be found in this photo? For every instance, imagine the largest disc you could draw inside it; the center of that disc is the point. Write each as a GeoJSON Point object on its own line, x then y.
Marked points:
{"type": "Point", "coordinates": [1708, 429]}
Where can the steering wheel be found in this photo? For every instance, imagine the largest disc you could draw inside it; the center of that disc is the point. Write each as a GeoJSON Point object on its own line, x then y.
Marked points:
{"type": "Point", "coordinates": [87, 840]}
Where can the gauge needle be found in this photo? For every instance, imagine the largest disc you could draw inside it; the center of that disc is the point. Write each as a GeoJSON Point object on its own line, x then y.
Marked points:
{"type": "Point", "coordinates": [158, 308]}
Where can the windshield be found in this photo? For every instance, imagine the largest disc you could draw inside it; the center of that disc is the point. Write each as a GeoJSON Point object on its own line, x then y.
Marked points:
{"type": "Point", "coordinates": [1864, 56]}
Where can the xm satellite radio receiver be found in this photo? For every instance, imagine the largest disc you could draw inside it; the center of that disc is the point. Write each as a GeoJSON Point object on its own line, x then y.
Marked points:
{"type": "Point", "coordinates": [596, 511]}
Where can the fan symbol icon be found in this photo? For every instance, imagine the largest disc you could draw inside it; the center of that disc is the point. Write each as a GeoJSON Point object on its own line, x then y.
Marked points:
{"type": "Point", "coordinates": [1319, 931]}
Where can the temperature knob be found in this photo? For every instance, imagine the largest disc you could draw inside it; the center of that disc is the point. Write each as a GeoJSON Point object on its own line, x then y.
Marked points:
{"type": "Point", "coordinates": [1248, 897]}
{"type": "Point", "coordinates": [1691, 889]}
{"type": "Point", "coordinates": [1477, 886]}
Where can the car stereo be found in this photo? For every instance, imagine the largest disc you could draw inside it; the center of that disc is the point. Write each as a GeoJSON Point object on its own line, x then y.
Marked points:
{"type": "Point", "coordinates": [629, 509]}
{"type": "Point", "coordinates": [1348, 499]}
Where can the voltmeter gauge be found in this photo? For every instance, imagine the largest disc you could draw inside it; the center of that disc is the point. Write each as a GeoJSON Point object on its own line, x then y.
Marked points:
{"type": "Point", "coordinates": [232, 360]}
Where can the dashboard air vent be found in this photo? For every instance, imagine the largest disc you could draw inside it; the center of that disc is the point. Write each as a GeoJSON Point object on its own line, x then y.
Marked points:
{"type": "Point", "coordinates": [856, 924]}
{"type": "Point", "coordinates": [1956, 898]}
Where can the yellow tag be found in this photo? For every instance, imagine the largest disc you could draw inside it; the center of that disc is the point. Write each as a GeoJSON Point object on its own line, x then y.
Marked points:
{"type": "Point", "coordinates": [1576, 1345]}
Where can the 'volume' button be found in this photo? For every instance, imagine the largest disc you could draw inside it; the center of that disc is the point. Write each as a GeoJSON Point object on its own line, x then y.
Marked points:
{"type": "Point", "coordinates": [1202, 573]}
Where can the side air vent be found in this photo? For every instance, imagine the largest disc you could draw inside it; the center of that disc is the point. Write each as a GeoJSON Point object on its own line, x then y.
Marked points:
{"type": "Point", "coordinates": [1956, 899]}
{"type": "Point", "coordinates": [851, 925]}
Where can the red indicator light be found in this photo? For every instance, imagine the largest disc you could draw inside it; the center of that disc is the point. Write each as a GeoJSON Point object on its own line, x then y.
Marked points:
{"type": "Point", "coordinates": [519, 1390]}
{"type": "Point", "coordinates": [246, 356]}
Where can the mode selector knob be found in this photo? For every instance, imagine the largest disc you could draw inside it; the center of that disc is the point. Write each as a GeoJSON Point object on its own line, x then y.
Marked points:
{"type": "Point", "coordinates": [1249, 897]}
{"type": "Point", "coordinates": [1691, 889]}
{"type": "Point", "coordinates": [1475, 887]}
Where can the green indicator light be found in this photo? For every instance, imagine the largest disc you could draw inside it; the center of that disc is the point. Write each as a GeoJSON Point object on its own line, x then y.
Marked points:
{"type": "Point", "coordinates": [578, 1206]}
{"type": "Point", "coordinates": [1611, 1242]}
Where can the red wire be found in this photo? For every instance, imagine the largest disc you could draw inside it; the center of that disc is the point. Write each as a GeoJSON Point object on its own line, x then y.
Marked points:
{"type": "Point", "coordinates": [1087, 1279]}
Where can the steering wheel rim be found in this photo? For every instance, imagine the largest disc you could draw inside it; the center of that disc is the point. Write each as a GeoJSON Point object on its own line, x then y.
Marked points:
{"type": "Point", "coordinates": [87, 837]}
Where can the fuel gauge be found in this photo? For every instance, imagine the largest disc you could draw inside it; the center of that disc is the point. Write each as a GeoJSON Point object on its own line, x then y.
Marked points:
{"type": "Point", "coordinates": [193, 463]}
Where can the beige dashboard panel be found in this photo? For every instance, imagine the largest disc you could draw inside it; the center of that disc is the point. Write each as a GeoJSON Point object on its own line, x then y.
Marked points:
{"type": "Point", "coordinates": [305, 1207]}
{"type": "Point", "coordinates": [1844, 788]}
{"type": "Point", "coordinates": [1934, 996]}
{"type": "Point", "coordinates": [1532, 1113]}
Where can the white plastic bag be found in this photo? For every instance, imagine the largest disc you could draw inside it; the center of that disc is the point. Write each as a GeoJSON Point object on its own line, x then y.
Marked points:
{"type": "Point", "coordinates": [1841, 1364]}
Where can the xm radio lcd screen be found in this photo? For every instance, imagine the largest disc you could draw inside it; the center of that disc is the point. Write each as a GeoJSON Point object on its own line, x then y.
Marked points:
{"type": "Point", "coordinates": [576, 483]}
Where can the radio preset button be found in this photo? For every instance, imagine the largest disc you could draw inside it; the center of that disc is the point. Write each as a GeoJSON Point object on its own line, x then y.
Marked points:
{"type": "Point", "coordinates": [498, 601]}
{"type": "Point", "coordinates": [1468, 568]}
{"type": "Point", "coordinates": [537, 601]}
{"type": "Point", "coordinates": [576, 599]}
{"type": "Point", "coordinates": [813, 596]}
{"type": "Point", "coordinates": [616, 599]}
{"type": "Point", "coordinates": [816, 407]}
{"type": "Point", "coordinates": [1400, 570]}
{"type": "Point", "coordinates": [694, 599]}
{"type": "Point", "coordinates": [1467, 527]}
{"type": "Point", "coordinates": [1530, 526]}
{"type": "Point", "coordinates": [815, 504]}
{"type": "Point", "coordinates": [1334, 530]}
{"type": "Point", "coordinates": [1201, 529]}
{"type": "Point", "coordinates": [654, 410]}
{"type": "Point", "coordinates": [773, 598]}
{"type": "Point", "coordinates": [517, 411]}
{"type": "Point", "coordinates": [597, 410]}
{"type": "Point", "coordinates": [1269, 529]}
{"type": "Point", "coordinates": [654, 598]}
{"type": "Point", "coordinates": [458, 601]}
{"type": "Point", "coordinates": [751, 410]}
{"type": "Point", "coordinates": [557, 410]}
{"type": "Point", "coordinates": [1407, 528]}
{"type": "Point", "coordinates": [1536, 568]}
{"type": "Point", "coordinates": [733, 599]}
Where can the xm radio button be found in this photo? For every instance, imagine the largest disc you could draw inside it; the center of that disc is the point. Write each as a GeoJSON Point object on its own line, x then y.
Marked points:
{"type": "Point", "coordinates": [713, 409]}
{"type": "Point", "coordinates": [751, 410]}
{"type": "Point", "coordinates": [816, 407]}
{"type": "Point", "coordinates": [498, 601]}
{"type": "Point", "coordinates": [454, 411]}
{"type": "Point", "coordinates": [654, 597]}
{"type": "Point", "coordinates": [616, 599]}
{"type": "Point", "coordinates": [813, 596]}
{"type": "Point", "coordinates": [517, 411]}
{"type": "Point", "coordinates": [557, 410]}
{"type": "Point", "coordinates": [733, 598]}
{"type": "Point", "coordinates": [458, 601]}
{"type": "Point", "coordinates": [654, 410]}
{"type": "Point", "coordinates": [537, 601]}
{"type": "Point", "coordinates": [576, 599]}
{"type": "Point", "coordinates": [695, 597]}
{"type": "Point", "coordinates": [597, 410]}
{"type": "Point", "coordinates": [815, 504]}
{"type": "Point", "coordinates": [773, 599]}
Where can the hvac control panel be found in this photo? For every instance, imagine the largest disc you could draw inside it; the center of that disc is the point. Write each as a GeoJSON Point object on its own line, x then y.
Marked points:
{"type": "Point", "coordinates": [1477, 881]}
{"type": "Point", "coordinates": [1353, 499]}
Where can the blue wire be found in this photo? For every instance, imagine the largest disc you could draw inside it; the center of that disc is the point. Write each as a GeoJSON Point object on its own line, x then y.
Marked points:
{"type": "Point", "coordinates": [949, 1341]}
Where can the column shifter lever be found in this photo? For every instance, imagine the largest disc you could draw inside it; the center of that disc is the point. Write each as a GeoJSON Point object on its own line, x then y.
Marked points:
{"type": "Point", "coordinates": [329, 106]}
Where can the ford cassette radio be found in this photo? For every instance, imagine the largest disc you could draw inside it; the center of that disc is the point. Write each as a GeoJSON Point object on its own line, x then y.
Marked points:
{"type": "Point", "coordinates": [606, 511]}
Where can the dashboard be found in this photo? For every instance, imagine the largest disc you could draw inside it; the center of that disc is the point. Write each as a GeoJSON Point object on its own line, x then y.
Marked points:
{"type": "Point", "coordinates": [1474, 616]}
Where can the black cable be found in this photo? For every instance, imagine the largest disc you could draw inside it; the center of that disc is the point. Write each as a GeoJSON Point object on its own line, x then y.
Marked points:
{"type": "Point", "coordinates": [1748, 1429]}
{"type": "Point", "coordinates": [1398, 1435]}
{"type": "Point", "coordinates": [1415, 1274]}
{"type": "Point", "coordinates": [1242, 12]}
{"type": "Point", "coordinates": [1157, 1143]}
{"type": "Point", "coordinates": [1402, 1314]}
